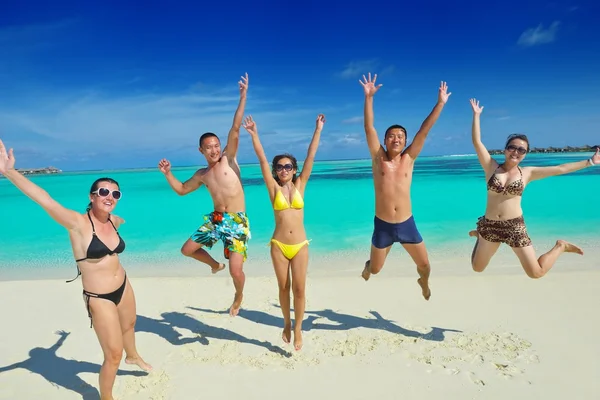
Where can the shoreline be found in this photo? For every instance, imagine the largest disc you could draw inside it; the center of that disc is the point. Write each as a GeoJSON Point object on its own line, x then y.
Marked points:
{"type": "Point", "coordinates": [339, 264]}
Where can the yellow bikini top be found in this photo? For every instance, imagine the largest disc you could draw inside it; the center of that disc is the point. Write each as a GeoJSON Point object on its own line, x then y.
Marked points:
{"type": "Point", "coordinates": [281, 203]}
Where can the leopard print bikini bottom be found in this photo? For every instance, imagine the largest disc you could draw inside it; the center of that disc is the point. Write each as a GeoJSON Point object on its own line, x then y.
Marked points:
{"type": "Point", "coordinates": [513, 231]}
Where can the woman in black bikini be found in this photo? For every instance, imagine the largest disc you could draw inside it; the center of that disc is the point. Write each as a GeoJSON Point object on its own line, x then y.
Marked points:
{"type": "Point", "coordinates": [503, 220]}
{"type": "Point", "coordinates": [108, 295]}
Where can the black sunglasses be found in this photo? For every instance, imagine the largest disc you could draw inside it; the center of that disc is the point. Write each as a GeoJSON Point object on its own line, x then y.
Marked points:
{"type": "Point", "coordinates": [104, 192]}
{"type": "Point", "coordinates": [519, 150]}
{"type": "Point", "coordinates": [281, 167]}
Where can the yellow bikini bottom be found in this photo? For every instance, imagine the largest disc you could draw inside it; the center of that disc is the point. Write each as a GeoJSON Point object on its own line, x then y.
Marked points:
{"type": "Point", "coordinates": [289, 250]}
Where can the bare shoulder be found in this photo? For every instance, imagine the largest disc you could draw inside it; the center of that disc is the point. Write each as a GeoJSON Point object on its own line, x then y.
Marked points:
{"type": "Point", "coordinates": [199, 174]}
{"type": "Point", "coordinates": [405, 158]}
{"type": "Point", "coordinates": [116, 220]}
{"type": "Point", "coordinates": [527, 171]}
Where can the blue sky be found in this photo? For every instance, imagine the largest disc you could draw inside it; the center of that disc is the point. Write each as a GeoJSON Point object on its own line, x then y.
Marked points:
{"type": "Point", "coordinates": [107, 85]}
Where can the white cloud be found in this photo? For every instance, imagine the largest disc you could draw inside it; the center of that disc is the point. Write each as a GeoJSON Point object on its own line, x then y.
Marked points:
{"type": "Point", "coordinates": [539, 35]}
{"type": "Point", "coordinates": [356, 69]}
{"type": "Point", "coordinates": [353, 120]}
{"type": "Point", "coordinates": [123, 129]}
{"type": "Point", "coordinates": [504, 118]}
{"type": "Point", "coordinates": [350, 139]}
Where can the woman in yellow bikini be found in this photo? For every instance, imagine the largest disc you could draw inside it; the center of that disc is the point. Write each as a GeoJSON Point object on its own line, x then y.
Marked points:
{"type": "Point", "coordinates": [289, 250]}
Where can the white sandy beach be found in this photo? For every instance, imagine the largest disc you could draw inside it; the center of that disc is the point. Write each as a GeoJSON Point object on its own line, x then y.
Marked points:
{"type": "Point", "coordinates": [481, 336]}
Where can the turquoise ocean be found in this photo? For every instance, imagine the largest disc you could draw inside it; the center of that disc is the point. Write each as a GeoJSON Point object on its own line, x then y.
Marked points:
{"type": "Point", "coordinates": [448, 196]}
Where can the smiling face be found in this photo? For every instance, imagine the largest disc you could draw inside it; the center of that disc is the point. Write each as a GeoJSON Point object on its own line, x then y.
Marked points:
{"type": "Point", "coordinates": [104, 196]}
{"type": "Point", "coordinates": [516, 149]}
{"type": "Point", "coordinates": [284, 168]}
{"type": "Point", "coordinates": [210, 147]}
{"type": "Point", "coordinates": [395, 139]}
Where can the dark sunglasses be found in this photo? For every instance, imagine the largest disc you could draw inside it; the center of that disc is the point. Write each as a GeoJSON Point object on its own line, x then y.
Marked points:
{"type": "Point", "coordinates": [519, 150]}
{"type": "Point", "coordinates": [281, 167]}
{"type": "Point", "coordinates": [104, 192]}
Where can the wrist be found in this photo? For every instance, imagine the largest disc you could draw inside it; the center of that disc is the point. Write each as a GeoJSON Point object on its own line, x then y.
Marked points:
{"type": "Point", "coordinates": [10, 172]}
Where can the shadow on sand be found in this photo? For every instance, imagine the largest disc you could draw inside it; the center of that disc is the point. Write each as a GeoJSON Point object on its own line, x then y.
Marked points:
{"type": "Point", "coordinates": [341, 322]}
{"type": "Point", "coordinates": [62, 372]}
{"type": "Point", "coordinates": [165, 328]}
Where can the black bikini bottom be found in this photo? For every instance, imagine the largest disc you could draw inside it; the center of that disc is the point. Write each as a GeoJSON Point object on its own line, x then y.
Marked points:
{"type": "Point", "coordinates": [115, 297]}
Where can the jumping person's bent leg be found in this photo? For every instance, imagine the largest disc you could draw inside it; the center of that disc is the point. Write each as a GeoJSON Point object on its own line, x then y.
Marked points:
{"type": "Point", "coordinates": [205, 236]}
{"type": "Point", "coordinates": [536, 268]}
{"type": "Point", "coordinates": [194, 250]}
{"type": "Point", "coordinates": [418, 252]}
{"type": "Point", "coordinates": [483, 251]}
{"type": "Point", "coordinates": [409, 236]}
{"type": "Point", "coordinates": [381, 244]}
{"type": "Point", "coordinates": [490, 234]}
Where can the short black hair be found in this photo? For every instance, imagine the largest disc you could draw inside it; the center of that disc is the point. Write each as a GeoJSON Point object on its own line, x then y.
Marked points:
{"type": "Point", "coordinates": [396, 126]}
{"type": "Point", "coordinates": [206, 136]}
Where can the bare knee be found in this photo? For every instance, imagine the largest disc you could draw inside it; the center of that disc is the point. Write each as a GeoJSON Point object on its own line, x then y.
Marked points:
{"type": "Point", "coordinates": [235, 270]}
{"type": "Point", "coordinates": [299, 291]}
{"type": "Point", "coordinates": [478, 267]}
{"type": "Point", "coordinates": [113, 356]}
{"type": "Point", "coordinates": [129, 325]}
{"type": "Point", "coordinates": [424, 267]}
{"type": "Point", "coordinates": [284, 287]}
{"type": "Point", "coordinates": [186, 251]}
{"type": "Point", "coordinates": [375, 267]}
{"type": "Point", "coordinates": [536, 273]}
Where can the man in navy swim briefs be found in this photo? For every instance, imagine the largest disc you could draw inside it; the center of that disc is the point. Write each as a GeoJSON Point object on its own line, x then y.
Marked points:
{"type": "Point", "coordinates": [392, 175]}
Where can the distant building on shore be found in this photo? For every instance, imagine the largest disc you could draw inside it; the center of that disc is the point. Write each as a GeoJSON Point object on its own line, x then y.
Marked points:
{"type": "Point", "coordinates": [567, 149]}
{"type": "Point", "coordinates": [39, 171]}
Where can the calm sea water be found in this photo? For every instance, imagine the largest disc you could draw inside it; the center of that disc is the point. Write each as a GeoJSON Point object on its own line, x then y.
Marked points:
{"type": "Point", "coordinates": [448, 195]}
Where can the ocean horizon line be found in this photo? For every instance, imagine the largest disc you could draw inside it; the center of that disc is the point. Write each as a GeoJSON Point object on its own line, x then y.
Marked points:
{"type": "Point", "coordinates": [200, 165]}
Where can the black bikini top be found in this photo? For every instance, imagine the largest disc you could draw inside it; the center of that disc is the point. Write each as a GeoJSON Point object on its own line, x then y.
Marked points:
{"type": "Point", "coordinates": [97, 249]}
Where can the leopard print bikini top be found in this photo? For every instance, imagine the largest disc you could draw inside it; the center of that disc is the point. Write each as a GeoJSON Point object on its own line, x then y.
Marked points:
{"type": "Point", "coordinates": [514, 188]}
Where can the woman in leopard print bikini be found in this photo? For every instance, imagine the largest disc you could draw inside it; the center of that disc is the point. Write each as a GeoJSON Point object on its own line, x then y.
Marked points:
{"type": "Point", "coordinates": [503, 220]}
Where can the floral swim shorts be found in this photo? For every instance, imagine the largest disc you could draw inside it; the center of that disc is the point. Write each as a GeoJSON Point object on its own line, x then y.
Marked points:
{"type": "Point", "coordinates": [231, 228]}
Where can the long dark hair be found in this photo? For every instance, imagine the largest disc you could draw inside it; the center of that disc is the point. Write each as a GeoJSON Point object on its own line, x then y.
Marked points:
{"type": "Point", "coordinates": [276, 160]}
{"type": "Point", "coordinates": [95, 187]}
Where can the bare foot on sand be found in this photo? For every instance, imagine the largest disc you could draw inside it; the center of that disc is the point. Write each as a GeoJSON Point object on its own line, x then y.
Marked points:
{"type": "Point", "coordinates": [221, 267]}
{"type": "Point", "coordinates": [569, 247]}
{"type": "Point", "coordinates": [473, 233]}
{"type": "Point", "coordinates": [297, 340]}
{"type": "Point", "coordinates": [237, 303]}
{"type": "Point", "coordinates": [287, 333]}
{"type": "Point", "coordinates": [139, 362]}
{"type": "Point", "coordinates": [366, 274]}
{"type": "Point", "coordinates": [424, 288]}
